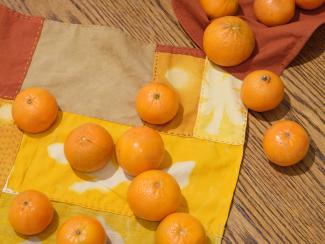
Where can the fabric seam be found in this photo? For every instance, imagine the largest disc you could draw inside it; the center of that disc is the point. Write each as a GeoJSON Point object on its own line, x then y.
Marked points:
{"type": "Point", "coordinates": [28, 62]}
{"type": "Point", "coordinates": [196, 134]}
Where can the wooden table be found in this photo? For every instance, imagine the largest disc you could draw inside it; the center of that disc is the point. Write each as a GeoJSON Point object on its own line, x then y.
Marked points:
{"type": "Point", "coordinates": [271, 204]}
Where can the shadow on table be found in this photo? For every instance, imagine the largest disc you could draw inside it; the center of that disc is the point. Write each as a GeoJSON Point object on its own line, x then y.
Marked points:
{"type": "Point", "coordinates": [300, 168]}
{"type": "Point", "coordinates": [276, 114]}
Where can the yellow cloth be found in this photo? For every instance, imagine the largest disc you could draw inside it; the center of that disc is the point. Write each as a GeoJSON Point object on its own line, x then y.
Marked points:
{"type": "Point", "coordinates": [204, 143]}
{"type": "Point", "coordinates": [118, 227]}
{"type": "Point", "coordinates": [206, 171]}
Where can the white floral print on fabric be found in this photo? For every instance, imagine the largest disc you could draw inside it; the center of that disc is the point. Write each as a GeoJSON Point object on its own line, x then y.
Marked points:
{"type": "Point", "coordinates": [181, 171]}
{"type": "Point", "coordinates": [178, 77]}
{"type": "Point", "coordinates": [5, 113]}
{"type": "Point", "coordinates": [104, 179]}
{"type": "Point", "coordinates": [32, 240]}
{"type": "Point", "coordinates": [56, 152]}
{"type": "Point", "coordinates": [221, 115]}
{"type": "Point", "coordinates": [112, 175]}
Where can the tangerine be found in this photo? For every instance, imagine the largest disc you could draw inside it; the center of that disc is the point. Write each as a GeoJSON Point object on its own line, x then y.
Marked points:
{"type": "Point", "coordinates": [153, 195]}
{"type": "Point", "coordinates": [274, 12]}
{"type": "Point", "coordinates": [81, 230]}
{"type": "Point", "coordinates": [228, 41]}
{"type": "Point", "coordinates": [262, 90]}
{"type": "Point", "coordinates": [219, 8]}
{"type": "Point", "coordinates": [30, 212]}
{"type": "Point", "coordinates": [34, 110]}
{"type": "Point", "coordinates": [286, 143]}
{"type": "Point", "coordinates": [157, 103]}
{"type": "Point", "coordinates": [140, 149]}
{"type": "Point", "coordinates": [89, 147]}
{"type": "Point", "coordinates": [180, 228]}
{"type": "Point", "coordinates": [309, 4]}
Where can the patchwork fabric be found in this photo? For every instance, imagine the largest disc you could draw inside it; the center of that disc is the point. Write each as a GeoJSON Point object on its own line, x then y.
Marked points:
{"type": "Point", "coordinates": [211, 105]}
{"type": "Point", "coordinates": [10, 138]}
{"type": "Point", "coordinates": [204, 170]}
{"type": "Point", "coordinates": [184, 73]}
{"type": "Point", "coordinates": [18, 38]}
{"type": "Point", "coordinates": [222, 115]}
{"type": "Point", "coordinates": [119, 229]}
{"type": "Point", "coordinates": [180, 50]}
{"type": "Point", "coordinates": [95, 71]}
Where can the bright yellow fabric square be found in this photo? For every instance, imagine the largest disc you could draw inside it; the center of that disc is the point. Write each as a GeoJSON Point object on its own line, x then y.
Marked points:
{"type": "Point", "coordinates": [206, 171]}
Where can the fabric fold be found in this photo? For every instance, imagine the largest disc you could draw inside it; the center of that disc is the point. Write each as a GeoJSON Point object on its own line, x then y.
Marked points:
{"type": "Point", "coordinates": [276, 46]}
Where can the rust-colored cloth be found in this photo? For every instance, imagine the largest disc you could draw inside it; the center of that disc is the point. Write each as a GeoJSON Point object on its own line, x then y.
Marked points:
{"type": "Point", "coordinates": [18, 38]}
{"type": "Point", "coordinates": [276, 46]}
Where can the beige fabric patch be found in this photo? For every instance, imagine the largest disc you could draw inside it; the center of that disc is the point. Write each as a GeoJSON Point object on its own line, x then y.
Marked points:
{"type": "Point", "coordinates": [92, 70]}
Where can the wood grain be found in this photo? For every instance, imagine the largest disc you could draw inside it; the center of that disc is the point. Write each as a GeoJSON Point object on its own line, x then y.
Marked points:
{"type": "Point", "coordinates": [271, 204]}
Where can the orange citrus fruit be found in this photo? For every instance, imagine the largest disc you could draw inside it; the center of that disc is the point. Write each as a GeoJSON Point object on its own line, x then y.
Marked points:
{"type": "Point", "coordinates": [81, 230]}
{"type": "Point", "coordinates": [262, 90]}
{"type": "Point", "coordinates": [180, 228]}
{"type": "Point", "coordinates": [140, 149]}
{"type": "Point", "coordinates": [219, 8]}
{"type": "Point", "coordinates": [157, 103]}
{"type": "Point", "coordinates": [274, 12]}
{"type": "Point", "coordinates": [153, 195]}
{"type": "Point", "coordinates": [34, 110]}
{"type": "Point", "coordinates": [228, 41]}
{"type": "Point", "coordinates": [89, 147]}
{"type": "Point", "coordinates": [286, 143]}
{"type": "Point", "coordinates": [309, 4]}
{"type": "Point", "coordinates": [30, 212]}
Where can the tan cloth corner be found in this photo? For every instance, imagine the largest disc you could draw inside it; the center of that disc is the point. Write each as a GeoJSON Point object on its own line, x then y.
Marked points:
{"type": "Point", "coordinates": [92, 70]}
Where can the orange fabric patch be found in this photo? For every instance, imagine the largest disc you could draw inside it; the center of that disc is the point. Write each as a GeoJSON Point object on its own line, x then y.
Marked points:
{"type": "Point", "coordinates": [184, 73]}
{"type": "Point", "coordinates": [10, 138]}
{"type": "Point", "coordinates": [19, 35]}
